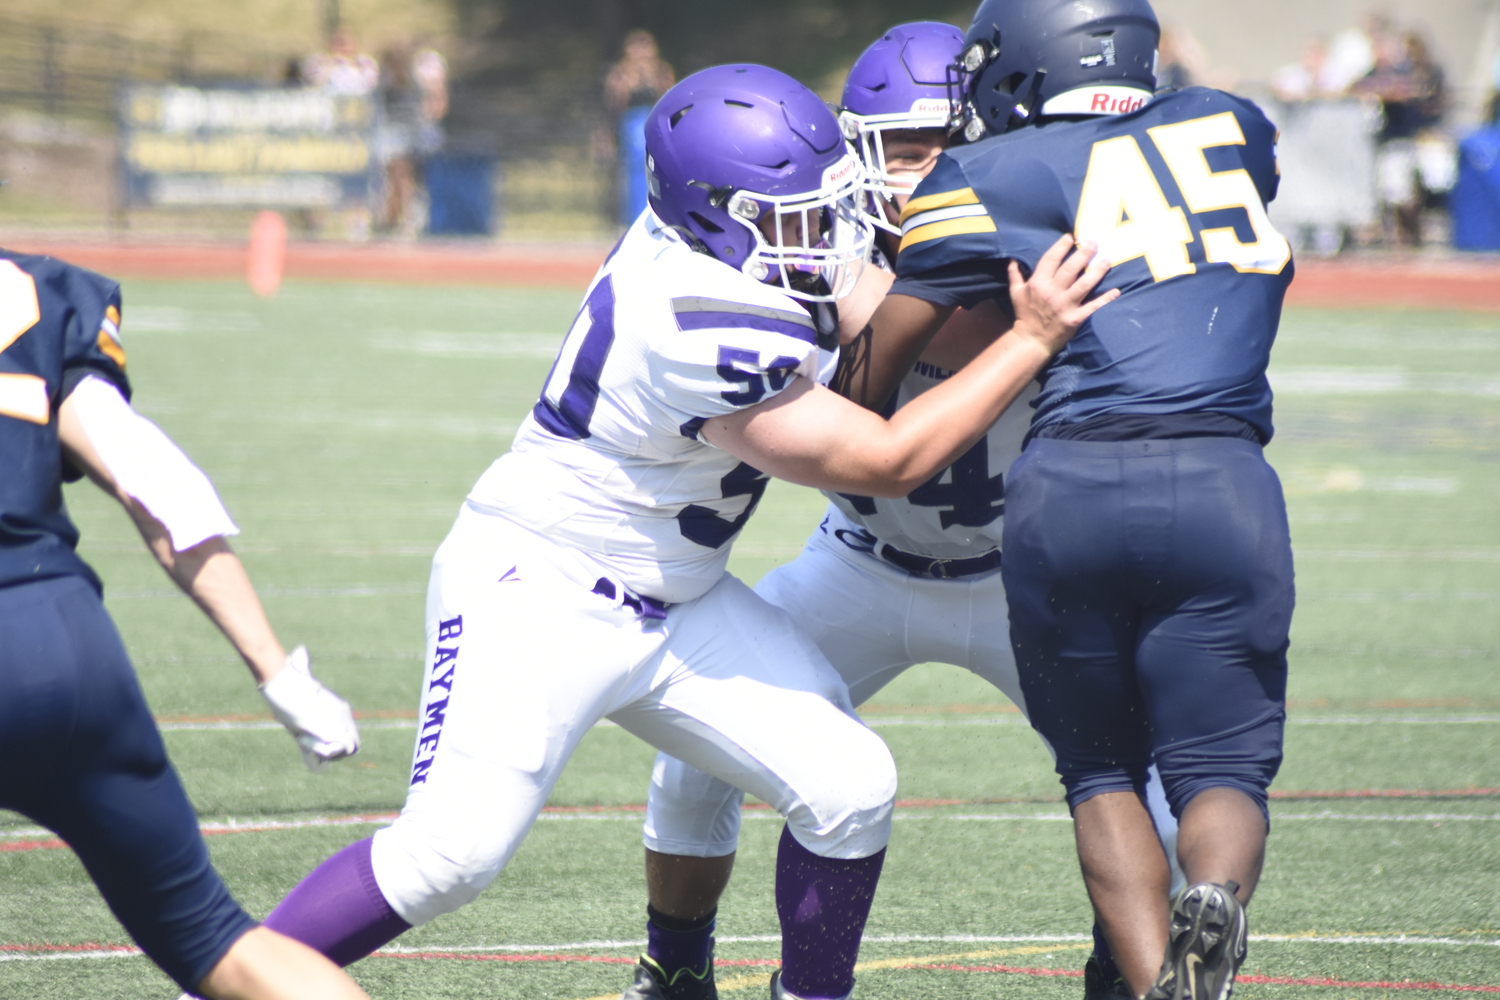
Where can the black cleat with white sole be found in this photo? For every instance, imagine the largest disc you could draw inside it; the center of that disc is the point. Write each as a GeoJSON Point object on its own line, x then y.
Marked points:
{"type": "Point", "coordinates": [1205, 947]}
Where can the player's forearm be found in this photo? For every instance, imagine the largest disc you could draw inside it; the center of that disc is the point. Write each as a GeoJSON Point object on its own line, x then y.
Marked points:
{"type": "Point", "coordinates": [814, 437]}
{"type": "Point", "coordinates": [873, 364]}
{"type": "Point", "coordinates": [213, 576]}
{"type": "Point", "coordinates": [929, 433]}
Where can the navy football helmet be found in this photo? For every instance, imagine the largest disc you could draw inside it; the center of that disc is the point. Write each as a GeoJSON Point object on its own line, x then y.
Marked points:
{"type": "Point", "coordinates": [1027, 59]}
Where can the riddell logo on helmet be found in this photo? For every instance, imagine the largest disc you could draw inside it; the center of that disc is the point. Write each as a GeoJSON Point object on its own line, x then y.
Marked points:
{"type": "Point", "coordinates": [931, 106]}
{"type": "Point", "coordinates": [840, 173]}
{"type": "Point", "coordinates": [1111, 100]}
{"type": "Point", "coordinates": [1111, 104]}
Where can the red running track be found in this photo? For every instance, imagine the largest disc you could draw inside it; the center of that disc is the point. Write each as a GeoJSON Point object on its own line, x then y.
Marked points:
{"type": "Point", "coordinates": [1447, 282]}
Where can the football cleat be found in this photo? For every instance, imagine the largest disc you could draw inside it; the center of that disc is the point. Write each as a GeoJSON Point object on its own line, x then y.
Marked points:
{"type": "Point", "coordinates": [779, 992]}
{"type": "Point", "coordinates": [1205, 946]}
{"type": "Point", "coordinates": [1096, 987]}
{"type": "Point", "coordinates": [652, 983]}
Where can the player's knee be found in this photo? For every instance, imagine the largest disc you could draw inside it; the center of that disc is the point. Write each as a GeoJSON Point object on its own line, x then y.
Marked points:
{"type": "Point", "coordinates": [1246, 760]}
{"type": "Point", "coordinates": [1079, 788]}
{"type": "Point", "coordinates": [850, 817]}
{"type": "Point", "coordinates": [422, 879]}
{"type": "Point", "coordinates": [689, 812]}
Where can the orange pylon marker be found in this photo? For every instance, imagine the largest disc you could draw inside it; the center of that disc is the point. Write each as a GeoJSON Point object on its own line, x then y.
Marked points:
{"type": "Point", "coordinates": [267, 253]}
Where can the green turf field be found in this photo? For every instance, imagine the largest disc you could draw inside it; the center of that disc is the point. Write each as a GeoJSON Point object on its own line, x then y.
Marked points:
{"type": "Point", "coordinates": [344, 423]}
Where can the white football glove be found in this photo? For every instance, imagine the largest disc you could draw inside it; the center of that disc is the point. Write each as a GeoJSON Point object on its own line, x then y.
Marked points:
{"type": "Point", "coordinates": [320, 721]}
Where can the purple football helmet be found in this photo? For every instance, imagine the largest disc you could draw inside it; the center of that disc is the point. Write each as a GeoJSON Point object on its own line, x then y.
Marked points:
{"type": "Point", "coordinates": [732, 143]}
{"type": "Point", "coordinates": [900, 82]}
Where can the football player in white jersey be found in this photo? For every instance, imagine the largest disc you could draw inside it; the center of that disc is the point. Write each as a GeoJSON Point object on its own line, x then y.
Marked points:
{"type": "Point", "coordinates": [883, 584]}
{"type": "Point", "coordinates": [584, 578]}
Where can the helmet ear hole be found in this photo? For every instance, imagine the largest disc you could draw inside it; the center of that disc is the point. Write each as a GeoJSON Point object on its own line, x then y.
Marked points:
{"type": "Point", "coordinates": [1007, 85]}
{"type": "Point", "coordinates": [707, 225]}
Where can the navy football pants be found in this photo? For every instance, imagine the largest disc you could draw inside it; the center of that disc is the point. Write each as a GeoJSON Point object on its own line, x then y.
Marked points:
{"type": "Point", "coordinates": [1150, 591]}
{"type": "Point", "coordinates": [84, 759]}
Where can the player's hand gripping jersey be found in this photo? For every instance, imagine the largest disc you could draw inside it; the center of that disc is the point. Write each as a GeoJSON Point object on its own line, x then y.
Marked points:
{"type": "Point", "coordinates": [610, 460]}
{"type": "Point", "coordinates": [1178, 187]}
{"type": "Point", "coordinates": [58, 325]}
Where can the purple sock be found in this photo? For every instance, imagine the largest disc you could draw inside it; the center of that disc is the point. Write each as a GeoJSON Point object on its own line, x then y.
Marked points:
{"type": "Point", "coordinates": [823, 904]}
{"type": "Point", "coordinates": [338, 909]}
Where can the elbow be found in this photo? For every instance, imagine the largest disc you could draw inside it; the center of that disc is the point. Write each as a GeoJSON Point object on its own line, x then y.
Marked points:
{"type": "Point", "coordinates": [893, 485]}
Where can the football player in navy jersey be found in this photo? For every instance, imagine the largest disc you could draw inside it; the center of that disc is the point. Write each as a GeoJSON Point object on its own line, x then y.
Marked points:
{"type": "Point", "coordinates": [1147, 566]}
{"type": "Point", "coordinates": [883, 583]}
{"type": "Point", "coordinates": [90, 763]}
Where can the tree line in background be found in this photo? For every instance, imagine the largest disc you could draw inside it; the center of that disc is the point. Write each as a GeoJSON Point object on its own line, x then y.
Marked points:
{"type": "Point", "coordinates": [531, 68]}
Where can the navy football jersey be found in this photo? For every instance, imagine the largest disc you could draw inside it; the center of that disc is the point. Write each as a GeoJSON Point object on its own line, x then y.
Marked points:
{"type": "Point", "coordinates": [1174, 194]}
{"type": "Point", "coordinates": [58, 324]}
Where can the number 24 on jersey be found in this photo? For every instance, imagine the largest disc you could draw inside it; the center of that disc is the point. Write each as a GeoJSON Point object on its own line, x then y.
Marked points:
{"type": "Point", "coordinates": [1124, 210]}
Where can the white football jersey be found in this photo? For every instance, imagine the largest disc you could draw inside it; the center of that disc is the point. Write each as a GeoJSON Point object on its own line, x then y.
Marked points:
{"type": "Point", "coordinates": [959, 513]}
{"type": "Point", "coordinates": [610, 461]}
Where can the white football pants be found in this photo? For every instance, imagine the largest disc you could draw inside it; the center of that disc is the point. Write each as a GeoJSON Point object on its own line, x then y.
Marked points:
{"type": "Point", "coordinates": [523, 657]}
{"type": "Point", "coordinates": [873, 621]}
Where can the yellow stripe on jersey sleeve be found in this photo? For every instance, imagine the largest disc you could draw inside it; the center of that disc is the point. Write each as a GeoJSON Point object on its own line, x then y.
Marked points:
{"type": "Point", "coordinates": [111, 348]}
{"type": "Point", "coordinates": [949, 227]}
{"type": "Point", "coordinates": [945, 199]}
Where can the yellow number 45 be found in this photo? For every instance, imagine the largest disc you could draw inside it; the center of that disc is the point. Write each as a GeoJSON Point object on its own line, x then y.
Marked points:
{"type": "Point", "coordinates": [1123, 209]}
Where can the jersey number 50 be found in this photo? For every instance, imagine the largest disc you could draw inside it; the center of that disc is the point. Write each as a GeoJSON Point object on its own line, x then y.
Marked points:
{"type": "Point", "coordinates": [1123, 209]}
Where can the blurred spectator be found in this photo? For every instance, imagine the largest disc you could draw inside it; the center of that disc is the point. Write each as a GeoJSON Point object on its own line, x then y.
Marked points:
{"type": "Point", "coordinates": [291, 73]}
{"type": "Point", "coordinates": [1180, 60]}
{"type": "Point", "coordinates": [1409, 85]}
{"type": "Point", "coordinates": [633, 85]}
{"type": "Point", "coordinates": [1351, 55]}
{"type": "Point", "coordinates": [413, 94]}
{"type": "Point", "coordinates": [343, 69]}
{"type": "Point", "coordinates": [1303, 80]}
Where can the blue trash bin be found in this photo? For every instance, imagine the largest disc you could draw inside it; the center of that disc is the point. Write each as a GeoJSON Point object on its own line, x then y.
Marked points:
{"type": "Point", "coordinates": [1475, 199]}
{"type": "Point", "coordinates": [461, 195]}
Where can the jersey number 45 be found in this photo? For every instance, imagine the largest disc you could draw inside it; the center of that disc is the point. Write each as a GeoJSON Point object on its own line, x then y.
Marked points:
{"type": "Point", "coordinates": [1123, 208]}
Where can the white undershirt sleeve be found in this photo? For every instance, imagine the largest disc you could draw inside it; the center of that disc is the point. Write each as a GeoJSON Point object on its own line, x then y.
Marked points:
{"type": "Point", "coordinates": [149, 467]}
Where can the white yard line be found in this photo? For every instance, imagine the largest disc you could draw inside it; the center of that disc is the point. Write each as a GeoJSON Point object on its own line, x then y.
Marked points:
{"type": "Point", "coordinates": [633, 945]}
{"type": "Point", "coordinates": [908, 813]}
